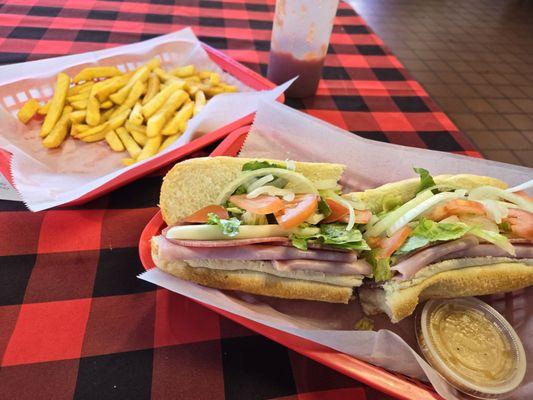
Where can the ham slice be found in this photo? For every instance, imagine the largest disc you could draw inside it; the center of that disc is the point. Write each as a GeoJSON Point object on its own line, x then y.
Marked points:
{"type": "Point", "coordinates": [359, 267]}
{"type": "Point", "coordinates": [411, 265]}
{"type": "Point", "coordinates": [490, 250]}
{"type": "Point", "coordinates": [230, 242]}
{"type": "Point", "coordinates": [172, 251]}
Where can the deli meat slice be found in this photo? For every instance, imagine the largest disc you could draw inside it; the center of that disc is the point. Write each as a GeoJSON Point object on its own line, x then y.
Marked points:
{"type": "Point", "coordinates": [231, 242]}
{"type": "Point", "coordinates": [172, 251]}
{"type": "Point", "coordinates": [490, 250]}
{"type": "Point", "coordinates": [412, 264]}
{"type": "Point", "coordinates": [359, 267]}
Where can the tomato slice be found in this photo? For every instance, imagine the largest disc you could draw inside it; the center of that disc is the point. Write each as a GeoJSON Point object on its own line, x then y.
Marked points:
{"type": "Point", "coordinates": [390, 245]}
{"type": "Point", "coordinates": [261, 205]}
{"type": "Point", "coordinates": [341, 213]}
{"type": "Point", "coordinates": [297, 211]}
{"type": "Point", "coordinates": [521, 223]}
{"type": "Point", "coordinates": [337, 211]}
{"type": "Point", "coordinates": [200, 216]}
{"type": "Point", "coordinates": [457, 207]}
{"type": "Point", "coordinates": [361, 217]}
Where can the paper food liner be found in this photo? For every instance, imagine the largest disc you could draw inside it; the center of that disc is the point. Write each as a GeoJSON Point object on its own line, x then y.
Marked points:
{"type": "Point", "coordinates": [47, 178]}
{"type": "Point", "coordinates": [280, 132]}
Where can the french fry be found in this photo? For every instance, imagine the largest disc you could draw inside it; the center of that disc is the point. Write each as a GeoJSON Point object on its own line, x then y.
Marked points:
{"type": "Point", "coordinates": [43, 110]}
{"type": "Point", "coordinates": [159, 99]}
{"type": "Point", "coordinates": [92, 115]}
{"type": "Point", "coordinates": [107, 114]}
{"type": "Point", "coordinates": [213, 91]}
{"type": "Point", "coordinates": [228, 88]}
{"type": "Point", "coordinates": [136, 116]}
{"type": "Point", "coordinates": [82, 127]}
{"type": "Point", "coordinates": [77, 117]}
{"type": "Point", "coordinates": [79, 105]}
{"type": "Point", "coordinates": [204, 74]}
{"type": "Point", "coordinates": [28, 110]}
{"type": "Point", "coordinates": [166, 77]}
{"type": "Point", "coordinates": [57, 104]}
{"type": "Point", "coordinates": [140, 75]}
{"type": "Point", "coordinates": [118, 120]}
{"type": "Point", "coordinates": [81, 88]}
{"type": "Point", "coordinates": [152, 88]}
{"type": "Point", "coordinates": [57, 135]}
{"type": "Point", "coordinates": [168, 141]}
{"type": "Point", "coordinates": [96, 137]}
{"type": "Point", "coordinates": [183, 72]}
{"type": "Point", "coordinates": [102, 90]}
{"type": "Point", "coordinates": [199, 102]}
{"type": "Point", "coordinates": [107, 105]}
{"type": "Point", "coordinates": [194, 78]}
{"type": "Point", "coordinates": [153, 63]}
{"type": "Point", "coordinates": [90, 73]}
{"type": "Point", "coordinates": [173, 126]}
{"type": "Point", "coordinates": [92, 131]}
{"type": "Point", "coordinates": [131, 146]}
{"type": "Point", "coordinates": [78, 97]}
{"type": "Point", "coordinates": [113, 141]}
{"type": "Point", "coordinates": [157, 121]}
{"type": "Point", "coordinates": [214, 78]}
{"type": "Point", "coordinates": [187, 111]}
{"type": "Point", "coordinates": [135, 94]}
{"type": "Point", "coordinates": [128, 161]}
{"type": "Point", "coordinates": [137, 132]}
{"type": "Point", "coordinates": [150, 148]}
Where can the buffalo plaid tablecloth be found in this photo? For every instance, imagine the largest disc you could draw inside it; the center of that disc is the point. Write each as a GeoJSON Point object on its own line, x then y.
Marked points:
{"type": "Point", "coordinates": [74, 319]}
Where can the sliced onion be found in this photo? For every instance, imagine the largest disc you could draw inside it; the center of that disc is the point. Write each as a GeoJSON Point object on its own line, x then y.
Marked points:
{"type": "Point", "coordinates": [348, 205]}
{"type": "Point", "coordinates": [299, 183]}
{"type": "Point", "coordinates": [414, 212]}
{"type": "Point", "coordinates": [288, 195]}
{"type": "Point", "coordinates": [522, 186]}
{"type": "Point", "coordinates": [260, 182]}
{"type": "Point", "coordinates": [497, 210]}
{"type": "Point", "coordinates": [494, 193]}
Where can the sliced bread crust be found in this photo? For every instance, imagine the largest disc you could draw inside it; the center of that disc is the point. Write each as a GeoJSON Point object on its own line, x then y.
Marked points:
{"type": "Point", "coordinates": [196, 183]}
{"type": "Point", "coordinates": [472, 281]}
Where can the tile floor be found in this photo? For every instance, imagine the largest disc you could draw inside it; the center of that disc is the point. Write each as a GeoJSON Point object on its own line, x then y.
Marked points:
{"type": "Point", "coordinates": [474, 57]}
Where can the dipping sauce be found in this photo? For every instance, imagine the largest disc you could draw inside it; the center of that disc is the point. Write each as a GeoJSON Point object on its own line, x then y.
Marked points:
{"type": "Point", "coordinates": [283, 66]}
{"type": "Point", "coordinates": [472, 346]}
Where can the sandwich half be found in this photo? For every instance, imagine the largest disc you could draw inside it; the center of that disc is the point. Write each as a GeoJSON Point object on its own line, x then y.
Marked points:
{"type": "Point", "coordinates": [443, 237]}
{"type": "Point", "coordinates": [267, 227]}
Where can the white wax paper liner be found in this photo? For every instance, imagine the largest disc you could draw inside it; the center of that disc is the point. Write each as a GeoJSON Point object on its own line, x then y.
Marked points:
{"type": "Point", "coordinates": [48, 178]}
{"type": "Point", "coordinates": [283, 133]}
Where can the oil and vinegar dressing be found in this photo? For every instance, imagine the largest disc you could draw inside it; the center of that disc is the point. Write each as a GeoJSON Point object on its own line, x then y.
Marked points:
{"type": "Point", "coordinates": [471, 345]}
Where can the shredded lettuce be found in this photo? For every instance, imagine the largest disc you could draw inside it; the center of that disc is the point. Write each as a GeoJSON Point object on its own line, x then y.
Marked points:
{"type": "Point", "coordinates": [230, 227]}
{"type": "Point", "coordinates": [495, 238]}
{"type": "Point", "coordinates": [426, 180]}
{"type": "Point", "coordinates": [253, 165]}
{"type": "Point", "coordinates": [334, 235]}
{"type": "Point", "coordinates": [428, 231]}
{"type": "Point", "coordinates": [249, 218]}
{"type": "Point", "coordinates": [323, 207]}
{"type": "Point", "coordinates": [380, 266]}
{"type": "Point", "coordinates": [364, 324]}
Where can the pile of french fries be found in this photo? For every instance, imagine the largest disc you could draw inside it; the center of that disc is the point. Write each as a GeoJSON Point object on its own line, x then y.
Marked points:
{"type": "Point", "coordinates": [141, 112]}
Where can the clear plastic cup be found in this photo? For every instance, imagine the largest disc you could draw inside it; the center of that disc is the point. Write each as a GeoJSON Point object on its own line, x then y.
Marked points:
{"type": "Point", "coordinates": [299, 44]}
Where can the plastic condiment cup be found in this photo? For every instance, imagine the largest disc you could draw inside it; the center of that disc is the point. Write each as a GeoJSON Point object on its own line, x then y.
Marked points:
{"type": "Point", "coordinates": [472, 346]}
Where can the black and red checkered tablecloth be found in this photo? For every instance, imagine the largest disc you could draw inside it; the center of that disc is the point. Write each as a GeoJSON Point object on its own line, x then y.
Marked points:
{"type": "Point", "coordinates": [74, 319]}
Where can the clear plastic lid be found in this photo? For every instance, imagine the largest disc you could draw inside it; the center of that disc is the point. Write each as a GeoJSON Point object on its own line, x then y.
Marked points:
{"type": "Point", "coordinates": [472, 346]}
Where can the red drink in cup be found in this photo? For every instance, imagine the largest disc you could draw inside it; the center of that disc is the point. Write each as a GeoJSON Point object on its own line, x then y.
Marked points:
{"type": "Point", "coordinates": [299, 44]}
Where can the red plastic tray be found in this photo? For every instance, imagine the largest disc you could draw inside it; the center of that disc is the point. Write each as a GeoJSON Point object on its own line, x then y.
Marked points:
{"type": "Point", "coordinates": [394, 384]}
{"type": "Point", "coordinates": [242, 73]}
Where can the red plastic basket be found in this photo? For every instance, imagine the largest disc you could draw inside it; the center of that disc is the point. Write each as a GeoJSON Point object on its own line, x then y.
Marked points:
{"type": "Point", "coordinates": [394, 384]}
{"type": "Point", "coordinates": [239, 71]}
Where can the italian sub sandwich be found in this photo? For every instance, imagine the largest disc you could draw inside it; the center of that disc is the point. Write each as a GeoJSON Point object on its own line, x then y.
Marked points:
{"type": "Point", "coordinates": [448, 236]}
{"type": "Point", "coordinates": [268, 227]}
